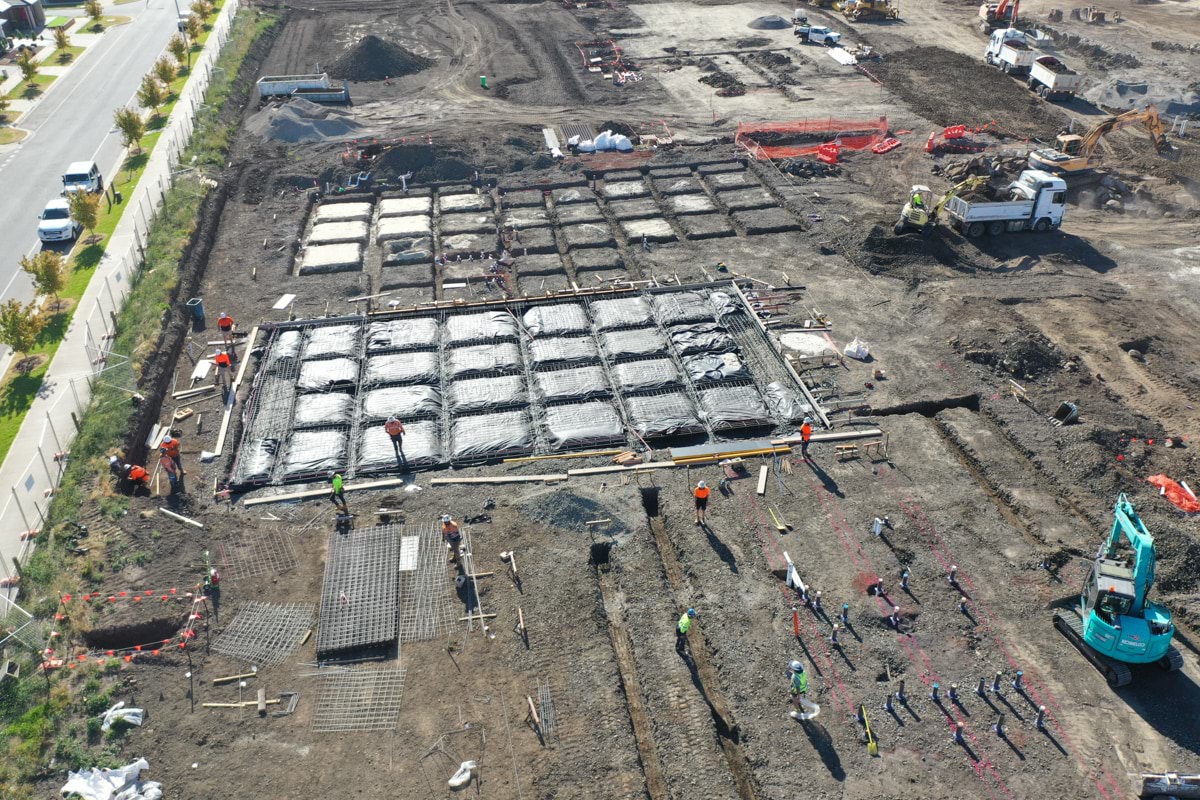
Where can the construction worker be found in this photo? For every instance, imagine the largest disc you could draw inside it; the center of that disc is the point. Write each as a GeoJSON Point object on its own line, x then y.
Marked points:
{"type": "Point", "coordinates": [337, 494]}
{"type": "Point", "coordinates": [917, 202]}
{"type": "Point", "coordinates": [805, 436]}
{"type": "Point", "coordinates": [224, 366]}
{"type": "Point", "coordinates": [452, 536]}
{"type": "Point", "coordinates": [225, 325]}
{"type": "Point", "coordinates": [172, 447]}
{"type": "Point", "coordinates": [797, 683]}
{"type": "Point", "coordinates": [681, 630]}
{"type": "Point", "coordinates": [701, 493]}
{"type": "Point", "coordinates": [138, 476]}
{"type": "Point", "coordinates": [395, 429]}
{"type": "Point", "coordinates": [167, 464]}
{"type": "Point", "coordinates": [119, 471]}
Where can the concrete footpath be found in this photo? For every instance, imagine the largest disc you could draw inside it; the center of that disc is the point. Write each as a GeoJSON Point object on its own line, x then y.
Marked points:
{"type": "Point", "coordinates": [33, 467]}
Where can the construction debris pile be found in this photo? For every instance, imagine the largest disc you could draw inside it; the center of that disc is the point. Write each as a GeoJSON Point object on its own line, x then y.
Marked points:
{"type": "Point", "coordinates": [303, 121]}
{"type": "Point", "coordinates": [373, 59]}
{"type": "Point", "coordinates": [810, 168]}
{"type": "Point", "coordinates": [999, 164]}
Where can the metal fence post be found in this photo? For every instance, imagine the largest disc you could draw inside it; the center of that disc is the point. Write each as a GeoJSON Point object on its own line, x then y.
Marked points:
{"type": "Point", "coordinates": [49, 474]}
{"type": "Point", "coordinates": [17, 497]}
{"type": "Point", "coordinates": [54, 433]}
{"type": "Point", "coordinates": [78, 405]}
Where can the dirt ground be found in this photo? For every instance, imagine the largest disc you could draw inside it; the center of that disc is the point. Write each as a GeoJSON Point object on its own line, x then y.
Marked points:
{"type": "Point", "coordinates": [971, 478]}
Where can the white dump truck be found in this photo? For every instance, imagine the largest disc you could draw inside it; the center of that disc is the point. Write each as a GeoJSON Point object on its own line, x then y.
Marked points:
{"type": "Point", "coordinates": [1008, 50]}
{"type": "Point", "coordinates": [1036, 202]}
{"type": "Point", "coordinates": [311, 87]}
{"type": "Point", "coordinates": [1053, 79]}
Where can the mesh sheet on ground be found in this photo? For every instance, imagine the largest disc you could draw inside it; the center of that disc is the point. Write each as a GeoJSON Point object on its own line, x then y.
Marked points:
{"type": "Point", "coordinates": [490, 326]}
{"type": "Point", "coordinates": [477, 359]}
{"type": "Point", "coordinates": [419, 367]}
{"type": "Point", "coordinates": [332, 340]}
{"type": "Point", "coordinates": [402, 401]}
{"type": "Point", "coordinates": [421, 443]}
{"type": "Point", "coordinates": [544, 352]}
{"type": "Point", "coordinates": [317, 410]}
{"type": "Point", "coordinates": [669, 414]}
{"type": "Point", "coordinates": [633, 344]}
{"type": "Point", "coordinates": [327, 375]}
{"type": "Point", "coordinates": [715, 367]}
{"type": "Point", "coordinates": [315, 453]}
{"type": "Point", "coordinates": [628, 312]}
{"type": "Point", "coordinates": [726, 407]}
{"type": "Point", "coordinates": [641, 376]}
{"type": "Point", "coordinates": [490, 436]}
{"type": "Point", "coordinates": [582, 425]}
{"type": "Point", "coordinates": [359, 593]}
{"type": "Point", "coordinates": [557, 320]}
{"type": "Point", "coordinates": [483, 394]}
{"type": "Point", "coordinates": [265, 634]}
{"type": "Point", "coordinates": [418, 333]}
{"type": "Point", "coordinates": [575, 383]}
{"type": "Point", "coordinates": [682, 307]}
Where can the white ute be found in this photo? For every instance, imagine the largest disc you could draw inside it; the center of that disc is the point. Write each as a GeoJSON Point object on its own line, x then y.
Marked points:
{"type": "Point", "coordinates": [82, 176]}
{"type": "Point", "coordinates": [818, 34]}
{"type": "Point", "coordinates": [55, 223]}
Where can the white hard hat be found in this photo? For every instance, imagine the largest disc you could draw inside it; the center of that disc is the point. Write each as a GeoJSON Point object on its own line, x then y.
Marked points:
{"type": "Point", "coordinates": [167, 439]}
{"type": "Point", "coordinates": [113, 459]}
{"type": "Point", "coordinates": [223, 315]}
{"type": "Point", "coordinates": [807, 421]}
{"type": "Point", "coordinates": [700, 485]}
{"type": "Point", "coordinates": [796, 666]}
{"type": "Point", "coordinates": [445, 517]}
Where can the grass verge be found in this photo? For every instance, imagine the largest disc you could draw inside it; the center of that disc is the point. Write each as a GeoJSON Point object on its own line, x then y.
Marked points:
{"type": "Point", "coordinates": [11, 135]}
{"type": "Point", "coordinates": [27, 90]}
{"type": "Point", "coordinates": [64, 55]}
{"type": "Point", "coordinates": [33, 714]}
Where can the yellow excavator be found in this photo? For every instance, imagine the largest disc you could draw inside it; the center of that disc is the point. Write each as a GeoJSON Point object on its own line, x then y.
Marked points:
{"type": "Point", "coordinates": [1075, 155]}
{"type": "Point", "coordinates": [863, 10]}
{"type": "Point", "coordinates": [921, 212]}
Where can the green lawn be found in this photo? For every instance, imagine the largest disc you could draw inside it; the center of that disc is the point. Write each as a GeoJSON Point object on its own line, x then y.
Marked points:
{"type": "Point", "coordinates": [27, 90]}
{"type": "Point", "coordinates": [64, 55]}
{"type": "Point", "coordinates": [58, 22]}
{"type": "Point", "coordinates": [10, 135]}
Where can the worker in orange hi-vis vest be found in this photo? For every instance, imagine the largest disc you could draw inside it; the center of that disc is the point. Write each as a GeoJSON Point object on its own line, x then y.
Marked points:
{"type": "Point", "coordinates": [224, 366]}
{"type": "Point", "coordinates": [395, 429]}
{"type": "Point", "coordinates": [701, 493]}
{"type": "Point", "coordinates": [225, 325]}
{"type": "Point", "coordinates": [805, 436]}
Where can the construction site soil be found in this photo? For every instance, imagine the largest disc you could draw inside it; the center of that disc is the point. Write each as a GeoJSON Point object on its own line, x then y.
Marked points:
{"type": "Point", "coordinates": [560, 678]}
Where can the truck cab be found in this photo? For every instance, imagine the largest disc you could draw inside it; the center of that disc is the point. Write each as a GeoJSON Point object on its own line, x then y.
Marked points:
{"type": "Point", "coordinates": [1008, 50]}
{"type": "Point", "coordinates": [82, 176]}
{"type": "Point", "coordinates": [818, 34]}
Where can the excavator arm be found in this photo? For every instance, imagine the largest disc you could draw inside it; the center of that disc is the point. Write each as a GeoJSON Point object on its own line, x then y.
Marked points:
{"type": "Point", "coordinates": [1127, 524]}
{"type": "Point", "coordinates": [1147, 117]}
{"type": "Point", "coordinates": [973, 182]}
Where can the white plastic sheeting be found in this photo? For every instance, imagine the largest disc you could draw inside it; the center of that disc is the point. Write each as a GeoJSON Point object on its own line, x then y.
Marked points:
{"type": "Point", "coordinates": [403, 402]}
{"type": "Point", "coordinates": [479, 359]}
{"type": "Point", "coordinates": [317, 410]}
{"type": "Point", "coordinates": [726, 407]}
{"type": "Point", "coordinates": [544, 352]}
{"type": "Point", "coordinates": [582, 425]}
{"type": "Point", "coordinates": [119, 713]}
{"type": "Point", "coordinates": [112, 784]}
{"type": "Point", "coordinates": [327, 375]}
{"type": "Point", "coordinates": [633, 344]}
{"type": "Point", "coordinates": [418, 367]}
{"type": "Point", "coordinates": [483, 394]}
{"type": "Point", "coordinates": [858, 349]}
{"type": "Point", "coordinates": [416, 333]}
{"type": "Point", "coordinates": [490, 326]}
{"type": "Point", "coordinates": [422, 447]}
{"type": "Point", "coordinates": [576, 383]}
{"type": "Point", "coordinates": [668, 414]}
{"type": "Point", "coordinates": [628, 312]}
{"type": "Point", "coordinates": [556, 320]}
{"type": "Point", "coordinates": [490, 436]}
{"type": "Point", "coordinates": [641, 376]}
{"type": "Point", "coordinates": [330, 340]}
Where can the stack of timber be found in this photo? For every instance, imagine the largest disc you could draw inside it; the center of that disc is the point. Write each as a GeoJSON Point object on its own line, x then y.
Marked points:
{"type": "Point", "coordinates": [714, 453]}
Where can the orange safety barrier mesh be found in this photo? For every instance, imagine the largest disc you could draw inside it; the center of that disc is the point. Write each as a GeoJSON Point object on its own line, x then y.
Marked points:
{"type": "Point", "coordinates": [805, 137]}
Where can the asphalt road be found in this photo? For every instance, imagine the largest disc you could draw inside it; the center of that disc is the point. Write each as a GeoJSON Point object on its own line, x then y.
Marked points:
{"type": "Point", "coordinates": [73, 122]}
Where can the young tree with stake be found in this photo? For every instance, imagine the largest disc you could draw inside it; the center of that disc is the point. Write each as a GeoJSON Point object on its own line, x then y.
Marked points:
{"type": "Point", "coordinates": [151, 94]}
{"type": "Point", "coordinates": [166, 71]}
{"type": "Point", "coordinates": [94, 10]}
{"type": "Point", "coordinates": [194, 28]}
{"type": "Point", "coordinates": [48, 271]}
{"type": "Point", "coordinates": [62, 41]}
{"type": "Point", "coordinates": [85, 209]}
{"type": "Point", "coordinates": [20, 325]}
{"type": "Point", "coordinates": [131, 125]}
{"type": "Point", "coordinates": [202, 9]}
{"type": "Point", "coordinates": [178, 47]}
{"type": "Point", "coordinates": [28, 67]}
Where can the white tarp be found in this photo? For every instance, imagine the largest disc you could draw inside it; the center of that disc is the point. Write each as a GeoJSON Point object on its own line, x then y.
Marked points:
{"type": "Point", "coordinates": [858, 349]}
{"type": "Point", "coordinates": [113, 784]}
{"type": "Point", "coordinates": [842, 56]}
{"type": "Point", "coordinates": [119, 713]}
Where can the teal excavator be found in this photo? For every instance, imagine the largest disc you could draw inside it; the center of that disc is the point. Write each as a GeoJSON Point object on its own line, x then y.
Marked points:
{"type": "Point", "coordinates": [1115, 625]}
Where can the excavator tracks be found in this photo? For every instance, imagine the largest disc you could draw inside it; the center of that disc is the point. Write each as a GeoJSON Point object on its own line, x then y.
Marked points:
{"type": "Point", "coordinates": [1070, 624]}
{"type": "Point", "coordinates": [1172, 661]}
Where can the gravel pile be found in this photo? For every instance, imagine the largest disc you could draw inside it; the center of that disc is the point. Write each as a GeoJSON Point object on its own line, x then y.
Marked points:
{"type": "Point", "coordinates": [303, 121]}
{"type": "Point", "coordinates": [373, 59]}
{"type": "Point", "coordinates": [568, 509]}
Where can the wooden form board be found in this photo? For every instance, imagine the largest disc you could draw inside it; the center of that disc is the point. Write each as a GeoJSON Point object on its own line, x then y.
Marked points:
{"type": "Point", "coordinates": [499, 479]}
{"type": "Point", "coordinates": [762, 479]}
{"type": "Point", "coordinates": [229, 404]}
{"type": "Point", "coordinates": [838, 435]}
{"type": "Point", "coordinates": [310, 493]}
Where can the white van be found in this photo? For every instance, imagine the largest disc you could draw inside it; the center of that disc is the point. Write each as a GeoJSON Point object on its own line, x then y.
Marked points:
{"type": "Point", "coordinates": [82, 176]}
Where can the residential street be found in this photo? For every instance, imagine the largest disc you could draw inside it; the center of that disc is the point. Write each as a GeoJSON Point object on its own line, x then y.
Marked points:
{"type": "Point", "coordinates": [73, 122]}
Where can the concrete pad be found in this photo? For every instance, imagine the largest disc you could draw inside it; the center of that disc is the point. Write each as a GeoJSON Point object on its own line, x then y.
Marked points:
{"type": "Point", "coordinates": [541, 264]}
{"type": "Point", "coordinates": [669, 186]}
{"type": "Point", "coordinates": [597, 258]}
{"type": "Point", "coordinates": [405, 206]}
{"type": "Point", "coordinates": [403, 228]}
{"type": "Point", "coordinates": [645, 208]}
{"type": "Point", "coordinates": [729, 181]}
{"type": "Point", "coordinates": [768, 220]}
{"type": "Point", "coordinates": [626, 189]}
{"type": "Point", "coordinates": [581, 212]}
{"type": "Point", "coordinates": [654, 230]}
{"type": "Point", "coordinates": [469, 243]}
{"type": "Point", "coordinates": [331, 258]}
{"type": "Point", "coordinates": [588, 235]}
{"type": "Point", "coordinates": [464, 202]}
{"type": "Point", "coordinates": [526, 218]}
{"type": "Point", "coordinates": [338, 233]}
{"type": "Point", "coordinates": [466, 223]}
{"type": "Point", "coordinates": [748, 199]}
{"type": "Point", "coordinates": [536, 285]}
{"type": "Point", "coordinates": [683, 204]}
{"type": "Point", "coordinates": [343, 212]}
{"type": "Point", "coordinates": [534, 240]}
{"type": "Point", "coordinates": [406, 275]}
{"type": "Point", "coordinates": [415, 250]}
{"type": "Point", "coordinates": [580, 194]}
{"type": "Point", "coordinates": [723, 166]}
{"type": "Point", "coordinates": [528, 198]}
{"type": "Point", "coordinates": [706, 226]}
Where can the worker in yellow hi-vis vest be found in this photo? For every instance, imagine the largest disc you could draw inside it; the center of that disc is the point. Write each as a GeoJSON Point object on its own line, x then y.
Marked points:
{"type": "Point", "coordinates": [681, 631]}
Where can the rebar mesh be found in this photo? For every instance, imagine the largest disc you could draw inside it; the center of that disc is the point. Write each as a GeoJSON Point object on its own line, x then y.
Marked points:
{"type": "Point", "coordinates": [265, 634]}
{"type": "Point", "coordinates": [425, 609]}
{"type": "Point", "coordinates": [360, 591]}
{"type": "Point", "coordinates": [361, 699]}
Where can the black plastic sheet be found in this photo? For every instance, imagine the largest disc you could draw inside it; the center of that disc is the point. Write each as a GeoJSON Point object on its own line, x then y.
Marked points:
{"type": "Point", "coordinates": [715, 367]}
{"type": "Point", "coordinates": [315, 453]}
{"type": "Point", "coordinates": [627, 312]}
{"type": "Point", "coordinates": [556, 320]}
{"type": "Point", "coordinates": [415, 367]}
{"type": "Point", "coordinates": [327, 375]}
{"type": "Point", "coordinates": [663, 415]}
{"type": "Point", "coordinates": [634, 344]}
{"type": "Point", "coordinates": [582, 425]}
{"type": "Point", "coordinates": [486, 436]}
{"type": "Point", "coordinates": [787, 403]}
{"type": "Point", "coordinates": [256, 461]}
{"type": "Point", "coordinates": [482, 394]}
{"type": "Point", "coordinates": [422, 447]}
{"type": "Point", "coordinates": [677, 307]}
{"type": "Point", "coordinates": [330, 340]}
{"type": "Point", "coordinates": [641, 376]}
{"type": "Point", "coordinates": [726, 407]}
{"type": "Point", "coordinates": [404, 402]}
{"type": "Point", "coordinates": [701, 337]}
{"type": "Point", "coordinates": [576, 383]}
{"type": "Point", "coordinates": [414, 333]}
{"type": "Point", "coordinates": [544, 352]}
{"type": "Point", "coordinates": [725, 304]}
{"type": "Point", "coordinates": [490, 326]}
{"type": "Point", "coordinates": [478, 359]}
{"type": "Point", "coordinates": [317, 410]}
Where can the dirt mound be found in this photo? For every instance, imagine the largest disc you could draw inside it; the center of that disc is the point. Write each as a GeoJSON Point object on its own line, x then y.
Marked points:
{"type": "Point", "coordinates": [569, 511]}
{"type": "Point", "coordinates": [1095, 54]}
{"type": "Point", "coordinates": [753, 41]}
{"type": "Point", "coordinates": [773, 22]}
{"type": "Point", "coordinates": [303, 121]}
{"type": "Point", "coordinates": [1025, 356]}
{"type": "Point", "coordinates": [373, 59]}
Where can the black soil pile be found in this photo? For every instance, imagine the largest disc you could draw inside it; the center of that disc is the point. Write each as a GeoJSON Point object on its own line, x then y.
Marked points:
{"type": "Point", "coordinates": [373, 59]}
{"type": "Point", "coordinates": [773, 22]}
{"type": "Point", "coordinates": [1026, 356]}
{"type": "Point", "coordinates": [979, 94]}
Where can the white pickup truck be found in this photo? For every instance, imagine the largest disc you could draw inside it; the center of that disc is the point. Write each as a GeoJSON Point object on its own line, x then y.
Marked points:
{"type": "Point", "coordinates": [1008, 50]}
{"type": "Point", "coordinates": [818, 34]}
{"type": "Point", "coordinates": [1051, 78]}
{"type": "Point", "coordinates": [1037, 201]}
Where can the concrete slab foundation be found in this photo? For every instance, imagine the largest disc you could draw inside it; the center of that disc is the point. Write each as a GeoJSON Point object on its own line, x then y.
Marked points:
{"type": "Point", "coordinates": [330, 258]}
{"type": "Point", "coordinates": [588, 235]}
{"type": "Point", "coordinates": [626, 189]}
{"type": "Point", "coordinates": [653, 230]}
{"type": "Point", "coordinates": [686, 185]}
{"type": "Point", "coordinates": [338, 233]}
{"type": "Point", "coordinates": [636, 209]}
{"type": "Point", "coordinates": [747, 199]}
{"type": "Point", "coordinates": [343, 212]}
{"type": "Point", "coordinates": [526, 218]}
{"type": "Point", "coordinates": [581, 212]}
{"type": "Point", "coordinates": [464, 202]}
{"type": "Point", "coordinates": [405, 206]}
{"type": "Point", "coordinates": [402, 228]}
{"type": "Point", "coordinates": [729, 181]}
{"type": "Point", "coordinates": [573, 195]}
{"type": "Point", "coordinates": [683, 204]}
{"type": "Point", "coordinates": [466, 223]}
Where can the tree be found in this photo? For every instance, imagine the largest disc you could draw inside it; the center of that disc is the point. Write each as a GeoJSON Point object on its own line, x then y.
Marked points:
{"type": "Point", "coordinates": [20, 324]}
{"type": "Point", "coordinates": [28, 67]}
{"type": "Point", "coordinates": [202, 9]}
{"type": "Point", "coordinates": [165, 70]}
{"type": "Point", "coordinates": [4, 104]}
{"type": "Point", "coordinates": [131, 125]}
{"type": "Point", "coordinates": [62, 39]}
{"type": "Point", "coordinates": [151, 93]}
{"type": "Point", "coordinates": [194, 28]}
{"type": "Point", "coordinates": [85, 209]}
{"type": "Point", "coordinates": [48, 271]}
{"type": "Point", "coordinates": [178, 47]}
{"type": "Point", "coordinates": [94, 10]}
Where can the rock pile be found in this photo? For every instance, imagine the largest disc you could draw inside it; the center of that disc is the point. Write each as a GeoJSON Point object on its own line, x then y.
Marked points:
{"type": "Point", "coordinates": [303, 121]}
{"type": "Point", "coordinates": [999, 165]}
{"type": "Point", "coordinates": [373, 59]}
{"type": "Point", "coordinates": [809, 168]}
